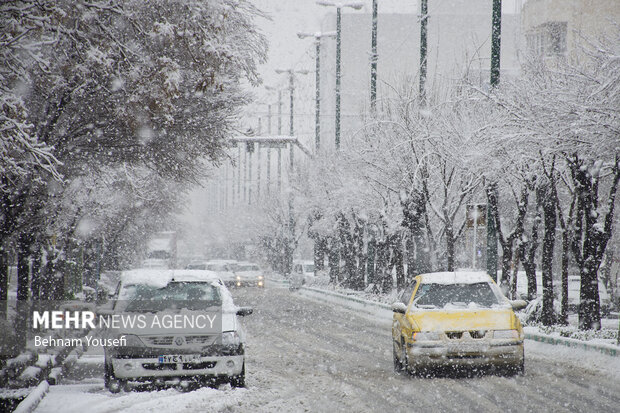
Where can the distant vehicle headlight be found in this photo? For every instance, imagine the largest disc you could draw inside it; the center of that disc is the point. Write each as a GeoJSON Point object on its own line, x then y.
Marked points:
{"type": "Point", "coordinates": [230, 339]}
{"type": "Point", "coordinates": [425, 336]}
{"type": "Point", "coordinates": [260, 277]}
{"type": "Point", "coordinates": [132, 340]}
{"type": "Point", "coordinates": [238, 278]}
{"type": "Point", "coordinates": [506, 334]}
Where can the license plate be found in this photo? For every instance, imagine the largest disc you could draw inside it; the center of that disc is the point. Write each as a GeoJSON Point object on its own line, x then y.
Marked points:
{"type": "Point", "coordinates": [181, 358]}
{"type": "Point", "coordinates": [467, 348]}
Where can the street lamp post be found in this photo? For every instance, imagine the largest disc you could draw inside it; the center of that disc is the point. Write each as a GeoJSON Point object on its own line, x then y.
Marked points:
{"type": "Point", "coordinates": [317, 41]}
{"type": "Point", "coordinates": [373, 58]}
{"type": "Point", "coordinates": [339, 6]}
{"type": "Point", "coordinates": [291, 86]}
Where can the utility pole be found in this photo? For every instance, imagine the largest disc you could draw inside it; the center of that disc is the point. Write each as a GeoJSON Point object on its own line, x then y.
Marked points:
{"type": "Point", "coordinates": [291, 88]}
{"type": "Point", "coordinates": [338, 43]}
{"type": "Point", "coordinates": [423, 47]}
{"type": "Point", "coordinates": [291, 85]}
{"type": "Point", "coordinates": [279, 134]}
{"type": "Point", "coordinates": [258, 171]}
{"type": "Point", "coordinates": [496, 41]}
{"type": "Point", "coordinates": [317, 113]}
{"type": "Point", "coordinates": [317, 98]}
{"type": "Point", "coordinates": [268, 148]}
{"type": "Point", "coordinates": [373, 58]}
{"type": "Point", "coordinates": [239, 174]}
{"type": "Point", "coordinates": [245, 175]}
{"type": "Point", "coordinates": [339, 6]}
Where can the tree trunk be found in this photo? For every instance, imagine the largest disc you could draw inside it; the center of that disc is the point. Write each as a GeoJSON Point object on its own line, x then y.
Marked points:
{"type": "Point", "coordinates": [550, 222]}
{"type": "Point", "coordinates": [24, 243]}
{"type": "Point", "coordinates": [333, 260]}
{"type": "Point", "coordinates": [371, 251]}
{"type": "Point", "coordinates": [450, 247]}
{"type": "Point", "coordinates": [361, 254]}
{"type": "Point", "coordinates": [4, 283]}
{"type": "Point", "coordinates": [591, 237]}
{"type": "Point", "coordinates": [397, 261]}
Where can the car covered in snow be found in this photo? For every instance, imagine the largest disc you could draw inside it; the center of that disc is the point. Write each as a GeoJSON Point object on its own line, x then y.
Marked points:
{"type": "Point", "coordinates": [456, 319]}
{"type": "Point", "coordinates": [185, 330]}
{"type": "Point", "coordinates": [303, 273]}
{"type": "Point", "coordinates": [223, 268]}
{"type": "Point", "coordinates": [248, 274]}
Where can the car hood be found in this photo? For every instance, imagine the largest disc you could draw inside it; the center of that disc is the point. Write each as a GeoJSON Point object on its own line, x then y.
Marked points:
{"type": "Point", "coordinates": [461, 320]}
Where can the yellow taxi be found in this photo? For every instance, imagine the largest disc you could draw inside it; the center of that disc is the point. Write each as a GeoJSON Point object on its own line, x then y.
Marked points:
{"type": "Point", "coordinates": [456, 319]}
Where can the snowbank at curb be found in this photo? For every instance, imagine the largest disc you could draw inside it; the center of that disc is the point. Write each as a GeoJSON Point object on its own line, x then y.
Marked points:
{"type": "Point", "coordinates": [33, 399]}
{"type": "Point", "coordinates": [383, 310]}
{"type": "Point", "coordinates": [608, 349]}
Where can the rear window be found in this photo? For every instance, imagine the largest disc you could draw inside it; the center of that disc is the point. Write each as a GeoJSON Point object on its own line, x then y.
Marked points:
{"type": "Point", "coordinates": [456, 296]}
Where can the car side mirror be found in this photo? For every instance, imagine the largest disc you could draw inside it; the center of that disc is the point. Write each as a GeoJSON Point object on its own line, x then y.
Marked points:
{"type": "Point", "coordinates": [243, 311]}
{"type": "Point", "coordinates": [518, 304]}
{"type": "Point", "coordinates": [399, 308]}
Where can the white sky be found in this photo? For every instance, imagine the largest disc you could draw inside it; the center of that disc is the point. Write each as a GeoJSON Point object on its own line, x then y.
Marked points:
{"type": "Point", "coordinates": [291, 16]}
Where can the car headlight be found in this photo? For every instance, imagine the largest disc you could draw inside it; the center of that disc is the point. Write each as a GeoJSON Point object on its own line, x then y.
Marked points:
{"type": "Point", "coordinates": [260, 277]}
{"type": "Point", "coordinates": [506, 334]}
{"type": "Point", "coordinates": [238, 278]}
{"type": "Point", "coordinates": [131, 340]}
{"type": "Point", "coordinates": [425, 336]}
{"type": "Point", "coordinates": [231, 339]}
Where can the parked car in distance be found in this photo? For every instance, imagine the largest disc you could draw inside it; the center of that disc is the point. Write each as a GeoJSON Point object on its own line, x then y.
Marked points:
{"type": "Point", "coordinates": [248, 274]}
{"type": "Point", "coordinates": [303, 272]}
{"type": "Point", "coordinates": [456, 319]}
{"type": "Point", "coordinates": [188, 353]}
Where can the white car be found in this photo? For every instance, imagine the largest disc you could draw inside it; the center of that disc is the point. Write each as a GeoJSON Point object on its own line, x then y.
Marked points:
{"type": "Point", "coordinates": [303, 273]}
{"type": "Point", "coordinates": [223, 268]}
{"type": "Point", "coordinates": [189, 352]}
{"type": "Point", "coordinates": [248, 274]}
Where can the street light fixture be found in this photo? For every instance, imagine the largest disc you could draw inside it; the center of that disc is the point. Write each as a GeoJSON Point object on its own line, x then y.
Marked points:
{"type": "Point", "coordinates": [317, 41]}
{"type": "Point", "coordinates": [339, 5]}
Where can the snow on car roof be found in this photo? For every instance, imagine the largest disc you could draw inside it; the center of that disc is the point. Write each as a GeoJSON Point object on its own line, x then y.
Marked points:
{"type": "Point", "coordinates": [147, 276]}
{"type": "Point", "coordinates": [194, 275]}
{"type": "Point", "coordinates": [160, 278]}
{"type": "Point", "coordinates": [461, 277]}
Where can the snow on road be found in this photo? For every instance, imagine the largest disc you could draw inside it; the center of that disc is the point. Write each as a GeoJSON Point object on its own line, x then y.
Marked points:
{"type": "Point", "coordinates": [306, 356]}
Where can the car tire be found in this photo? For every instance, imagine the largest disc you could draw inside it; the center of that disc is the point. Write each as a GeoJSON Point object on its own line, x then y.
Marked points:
{"type": "Point", "coordinates": [238, 380]}
{"type": "Point", "coordinates": [404, 358]}
{"type": "Point", "coordinates": [398, 366]}
{"type": "Point", "coordinates": [110, 381]}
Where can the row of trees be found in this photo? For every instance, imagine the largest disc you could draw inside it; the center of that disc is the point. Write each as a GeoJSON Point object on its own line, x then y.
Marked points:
{"type": "Point", "coordinates": [109, 110]}
{"type": "Point", "coordinates": [542, 151]}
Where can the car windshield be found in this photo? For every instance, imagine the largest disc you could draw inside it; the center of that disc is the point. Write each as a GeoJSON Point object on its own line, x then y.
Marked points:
{"type": "Point", "coordinates": [241, 268]}
{"type": "Point", "coordinates": [455, 295]}
{"type": "Point", "coordinates": [217, 267]}
{"type": "Point", "coordinates": [175, 295]}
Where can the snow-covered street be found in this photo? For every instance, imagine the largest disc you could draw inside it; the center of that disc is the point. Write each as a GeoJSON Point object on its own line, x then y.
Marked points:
{"type": "Point", "coordinates": [304, 356]}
